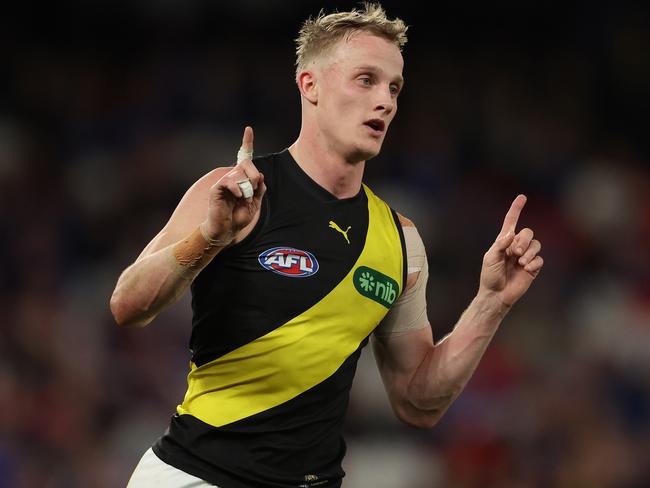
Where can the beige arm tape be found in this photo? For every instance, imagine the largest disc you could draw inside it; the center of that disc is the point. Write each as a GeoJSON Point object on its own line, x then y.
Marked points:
{"type": "Point", "coordinates": [410, 311]}
{"type": "Point", "coordinates": [194, 252]}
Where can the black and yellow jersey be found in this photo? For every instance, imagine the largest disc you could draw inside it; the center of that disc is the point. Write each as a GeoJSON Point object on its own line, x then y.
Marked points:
{"type": "Point", "coordinates": [279, 321]}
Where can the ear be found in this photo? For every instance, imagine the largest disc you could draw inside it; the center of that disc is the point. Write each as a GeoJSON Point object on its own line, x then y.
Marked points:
{"type": "Point", "coordinates": [308, 86]}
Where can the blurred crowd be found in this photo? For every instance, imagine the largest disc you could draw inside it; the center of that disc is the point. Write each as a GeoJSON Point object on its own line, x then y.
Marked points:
{"type": "Point", "coordinates": [109, 113]}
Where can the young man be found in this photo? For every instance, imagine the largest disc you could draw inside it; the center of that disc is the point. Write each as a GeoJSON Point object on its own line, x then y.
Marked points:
{"type": "Point", "coordinates": [293, 263]}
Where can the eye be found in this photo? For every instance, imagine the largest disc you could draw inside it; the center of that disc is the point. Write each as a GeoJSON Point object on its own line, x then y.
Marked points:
{"type": "Point", "coordinates": [394, 90]}
{"type": "Point", "coordinates": [365, 80]}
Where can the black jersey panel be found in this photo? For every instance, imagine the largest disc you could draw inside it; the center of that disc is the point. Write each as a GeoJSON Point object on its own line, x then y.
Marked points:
{"type": "Point", "coordinates": [236, 299]}
{"type": "Point", "coordinates": [279, 322]}
{"type": "Point", "coordinates": [280, 447]}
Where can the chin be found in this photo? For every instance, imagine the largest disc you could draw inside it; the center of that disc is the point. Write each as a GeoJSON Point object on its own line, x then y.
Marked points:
{"type": "Point", "coordinates": [371, 152]}
{"type": "Point", "coordinates": [361, 154]}
{"type": "Point", "coordinates": [364, 152]}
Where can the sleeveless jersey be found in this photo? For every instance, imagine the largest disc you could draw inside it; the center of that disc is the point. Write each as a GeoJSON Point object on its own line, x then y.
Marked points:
{"type": "Point", "coordinates": [279, 321]}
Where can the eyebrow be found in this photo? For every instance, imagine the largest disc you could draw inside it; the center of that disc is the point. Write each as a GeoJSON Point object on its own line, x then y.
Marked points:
{"type": "Point", "coordinates": [398, 79]}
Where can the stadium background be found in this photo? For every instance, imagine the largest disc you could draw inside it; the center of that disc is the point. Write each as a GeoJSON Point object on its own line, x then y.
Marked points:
{"type": "Point", "coordinates": [108, 112]}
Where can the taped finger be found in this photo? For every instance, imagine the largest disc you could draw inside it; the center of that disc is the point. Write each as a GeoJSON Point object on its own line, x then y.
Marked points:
{"type": "Point", "coordinates": [244, 155]}
{"type": "Point", "coordinates": [246, 188]}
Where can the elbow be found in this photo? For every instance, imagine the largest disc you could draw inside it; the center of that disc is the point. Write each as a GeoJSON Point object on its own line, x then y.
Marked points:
{"type": "Point", "coordinates": [124, 314]}
{"type": "Point", "coordinates": [119, 310]}
{"type": "Point", "coordinates": [424, 413]}
{"type": "Point", "coordinates": [419, 419]}
{"type": "Point", "coordinates": [425, 422]}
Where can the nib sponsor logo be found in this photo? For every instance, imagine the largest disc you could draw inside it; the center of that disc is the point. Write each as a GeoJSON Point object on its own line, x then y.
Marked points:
{"type": "Point", "coordinates": [288, 261]}
{"type": "Point", "coordinates": [375, 285]}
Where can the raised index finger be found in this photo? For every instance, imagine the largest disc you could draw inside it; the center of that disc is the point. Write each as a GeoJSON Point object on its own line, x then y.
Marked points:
{"type": "Point", "coordinates": [247, 140]}
{"type": "Point", "coordinates": [246, 149]}
{"type": "Point", "coordinates": [511, 218]}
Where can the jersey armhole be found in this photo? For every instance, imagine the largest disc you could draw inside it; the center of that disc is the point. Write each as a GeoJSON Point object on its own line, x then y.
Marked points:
{"type": "Point", "coordinates": [400, 231]}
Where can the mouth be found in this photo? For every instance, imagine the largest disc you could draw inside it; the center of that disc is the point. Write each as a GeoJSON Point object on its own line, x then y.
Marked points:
{"type": "Point", "coordinates": [376, 125]}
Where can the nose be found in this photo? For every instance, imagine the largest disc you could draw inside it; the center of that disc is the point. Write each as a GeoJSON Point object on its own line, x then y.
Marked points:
{"type": "Point", "coordinates": [385, 101]}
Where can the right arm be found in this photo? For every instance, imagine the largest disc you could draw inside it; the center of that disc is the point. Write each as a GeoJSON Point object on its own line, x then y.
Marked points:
{"type": "Point", "coordinates": [422, 378]}
{"type": "Point", "coordinates": [211, 215]}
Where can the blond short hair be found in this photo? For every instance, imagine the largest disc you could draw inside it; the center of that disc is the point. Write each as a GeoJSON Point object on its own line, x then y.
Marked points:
{"type": "Point", "coordinates": [319, 35]}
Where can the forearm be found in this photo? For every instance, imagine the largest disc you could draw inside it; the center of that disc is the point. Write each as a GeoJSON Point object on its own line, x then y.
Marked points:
{"type": "Point", "coordinates": [423, 379]}
{"type": "Point", "coordinates": [159, 279]}
{"type": "Point", "coordinates": [448, 366]}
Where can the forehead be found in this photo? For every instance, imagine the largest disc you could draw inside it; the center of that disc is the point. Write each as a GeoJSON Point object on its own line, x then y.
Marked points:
{"type": "Point", "coordinates": [364, 48]}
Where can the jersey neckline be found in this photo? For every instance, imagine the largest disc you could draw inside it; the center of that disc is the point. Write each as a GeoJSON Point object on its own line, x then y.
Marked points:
{"type": "Point", "coordinates": [310, 185]}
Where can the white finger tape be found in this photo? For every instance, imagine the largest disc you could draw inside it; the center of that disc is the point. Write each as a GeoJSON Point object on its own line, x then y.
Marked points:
{"type": "Point", "coordinates": [243, 155]}
{"type": "Point", "coordinates": [246, 188]}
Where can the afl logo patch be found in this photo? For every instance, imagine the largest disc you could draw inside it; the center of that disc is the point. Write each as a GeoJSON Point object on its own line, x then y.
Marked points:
{"type": "Point", "coordinates": [290, 262]}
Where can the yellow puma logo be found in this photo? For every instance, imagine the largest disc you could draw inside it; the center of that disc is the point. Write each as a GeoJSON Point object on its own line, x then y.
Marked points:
{"type": "Point", "coordinates": [336, 227]}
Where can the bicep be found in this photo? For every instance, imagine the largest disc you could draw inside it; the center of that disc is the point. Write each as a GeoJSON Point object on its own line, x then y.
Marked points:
{"type": "Point", "coordinates": [188, 214]}
{"type": "Point", "coordinates": [404, 336]}
{"type": "Point", "coordinates": [399, 355]}
{"type": "Point", "coordinates": [398, 358]}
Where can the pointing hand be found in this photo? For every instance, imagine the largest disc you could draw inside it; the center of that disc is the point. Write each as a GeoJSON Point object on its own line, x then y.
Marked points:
{"type": "Point", "coordinates": [512, 262]}
{"type": "Point", "coordinates": [235, 198]}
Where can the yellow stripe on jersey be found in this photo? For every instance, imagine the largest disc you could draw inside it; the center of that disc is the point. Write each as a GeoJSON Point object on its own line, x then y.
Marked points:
{"type": "Point", "coordinates": [305, 351]}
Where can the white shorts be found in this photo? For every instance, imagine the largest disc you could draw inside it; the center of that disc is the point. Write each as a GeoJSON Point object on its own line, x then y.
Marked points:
{"type": "Point", "coordinates": [152, 472]}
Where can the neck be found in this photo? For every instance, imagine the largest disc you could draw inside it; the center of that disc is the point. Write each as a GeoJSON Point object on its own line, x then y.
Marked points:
{"type": "Point", "coordinates": [332, 171]}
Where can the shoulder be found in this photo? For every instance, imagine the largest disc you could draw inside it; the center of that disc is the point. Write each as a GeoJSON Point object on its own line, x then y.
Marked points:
{"type": "Point", "coordinates": [404, 222]}
{"type": "Point", "coordinates": [189, 213]}
{"type": "Point", "coordinates": [208, 180]}
{"type": "Point", "coordinates": [199, 192]}
{"type": "Point", "coordinates": [416, 255]}
{"type": "Point", "coordinates": [193, 206]}
{"type": "Point", "coordinates": [196, 198]}
{"type": "Point", "coordinates": [412, 238]}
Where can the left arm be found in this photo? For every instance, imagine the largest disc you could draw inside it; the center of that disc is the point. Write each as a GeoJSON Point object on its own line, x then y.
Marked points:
{"type": "Point", "coordinates": [423, 379]}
